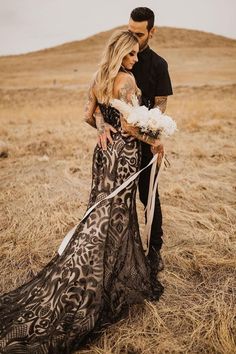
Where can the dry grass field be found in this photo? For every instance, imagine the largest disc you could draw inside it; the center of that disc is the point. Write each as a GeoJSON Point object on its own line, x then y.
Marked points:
{"type": "Point", "coordinates": [46, 150]}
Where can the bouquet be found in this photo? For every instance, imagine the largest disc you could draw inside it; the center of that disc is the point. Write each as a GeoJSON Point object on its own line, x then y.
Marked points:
{"type": "Point", "coordinates": [144, 124]}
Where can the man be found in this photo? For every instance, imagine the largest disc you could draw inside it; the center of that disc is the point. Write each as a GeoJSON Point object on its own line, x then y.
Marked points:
{"type": "Point", "coordinates": [152, 77]}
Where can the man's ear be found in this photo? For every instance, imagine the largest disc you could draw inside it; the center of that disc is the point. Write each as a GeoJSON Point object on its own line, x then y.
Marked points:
{"type": "Point", "coordinates": [152, 31]}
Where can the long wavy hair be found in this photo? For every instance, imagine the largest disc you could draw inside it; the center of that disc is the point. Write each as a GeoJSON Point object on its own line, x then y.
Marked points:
{"type": "Point", "coordinates": [119, 45]}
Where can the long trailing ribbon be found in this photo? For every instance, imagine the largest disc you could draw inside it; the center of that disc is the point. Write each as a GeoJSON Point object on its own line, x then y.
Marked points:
{"type": "Point", "coordinates": [149, 209]}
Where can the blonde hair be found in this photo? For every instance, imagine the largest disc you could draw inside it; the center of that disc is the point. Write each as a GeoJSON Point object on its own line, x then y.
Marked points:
{"type": "Point", "coordinates": [119, 45]}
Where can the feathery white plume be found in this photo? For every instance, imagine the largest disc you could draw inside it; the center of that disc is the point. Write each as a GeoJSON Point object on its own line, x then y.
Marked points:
{"type": "Point", "coordinates": [122, 106]}
{"type": "Point", "coordinates": [148, 120]}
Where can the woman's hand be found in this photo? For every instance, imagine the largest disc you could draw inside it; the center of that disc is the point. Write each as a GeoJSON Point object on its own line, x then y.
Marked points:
{"type": "Point", "coordinates": [104, 129]}
{"type": "Point", "coordinates": [104, 134]}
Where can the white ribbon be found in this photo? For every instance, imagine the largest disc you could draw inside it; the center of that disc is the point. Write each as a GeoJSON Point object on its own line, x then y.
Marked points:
{"type": "Point", "coordinates": [150, 205]}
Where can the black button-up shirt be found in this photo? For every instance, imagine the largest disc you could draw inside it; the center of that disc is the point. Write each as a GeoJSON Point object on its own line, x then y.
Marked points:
{"type": "Point", "coordinates": [152, 76]}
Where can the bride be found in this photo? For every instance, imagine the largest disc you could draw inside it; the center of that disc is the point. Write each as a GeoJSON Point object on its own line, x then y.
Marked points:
{"type": "Point", "coordinates": [102, 269]}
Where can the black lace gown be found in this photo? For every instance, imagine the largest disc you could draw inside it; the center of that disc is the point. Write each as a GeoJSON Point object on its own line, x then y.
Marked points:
{"type": "Point", "coordinates": [101, 272]}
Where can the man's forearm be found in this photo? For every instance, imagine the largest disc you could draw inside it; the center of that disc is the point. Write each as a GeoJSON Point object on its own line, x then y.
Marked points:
{"type": "Point", "coordinates": [161, 103]}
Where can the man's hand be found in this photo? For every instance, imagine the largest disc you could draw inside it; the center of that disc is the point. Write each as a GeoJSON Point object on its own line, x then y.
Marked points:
{"type": "Point", "coordinates": [104, 134]}
{"type": "Point", "coordinates": [158, 149]}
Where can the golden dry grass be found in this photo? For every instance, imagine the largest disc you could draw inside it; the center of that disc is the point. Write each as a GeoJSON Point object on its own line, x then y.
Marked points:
{"type": "Point", "coordinates": [45, 183]}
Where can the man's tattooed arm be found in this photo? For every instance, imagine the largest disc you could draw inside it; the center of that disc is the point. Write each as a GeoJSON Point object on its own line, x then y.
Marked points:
{"type": "Point", "coordinates": [161, 103]}
{"type": "Point", "coordinates": [90, 107]}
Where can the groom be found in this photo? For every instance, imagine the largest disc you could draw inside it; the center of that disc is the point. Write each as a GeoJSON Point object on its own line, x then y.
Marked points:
{"type": "Point", "coordinates": [152, 77]}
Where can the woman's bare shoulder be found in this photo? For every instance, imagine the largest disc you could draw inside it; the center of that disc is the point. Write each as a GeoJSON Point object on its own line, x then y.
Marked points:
{"type": "Point", "coordinates": [123, 81]}
{"type": "Point", "coordinates": [123, 77]}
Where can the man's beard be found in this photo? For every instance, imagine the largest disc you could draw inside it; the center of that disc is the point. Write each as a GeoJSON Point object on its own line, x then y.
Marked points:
{"type": "Point", "coordinates": [144, 45]}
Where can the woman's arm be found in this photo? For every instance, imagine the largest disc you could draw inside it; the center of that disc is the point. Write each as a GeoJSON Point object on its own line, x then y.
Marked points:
{"type": "Point", "coordinates": [124, 87]}
{"type": "Point", "coordinates": [94, 117]}
{"type": "Point", "coordinates": [90, 107]}
{"type": "Point", "coordinates": [124, 90]}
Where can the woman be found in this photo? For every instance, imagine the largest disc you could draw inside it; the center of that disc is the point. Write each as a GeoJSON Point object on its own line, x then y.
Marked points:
{"type": "Point", "coordinates": [102, 269]}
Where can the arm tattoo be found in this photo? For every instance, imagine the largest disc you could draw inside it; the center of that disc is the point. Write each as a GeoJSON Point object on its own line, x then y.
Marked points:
{"type": "Point", "coordinates": [126, 90]}
{"type": "Point", "coordinates": [161, 103]}
{"type": "Point", "coordinates": [100, 123]}
{"type": "Point", "coordinates": [90, 108]}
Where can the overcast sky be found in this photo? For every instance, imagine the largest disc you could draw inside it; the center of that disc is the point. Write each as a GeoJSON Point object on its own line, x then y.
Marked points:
{"type": "Point", "coordinates": [28, 25]}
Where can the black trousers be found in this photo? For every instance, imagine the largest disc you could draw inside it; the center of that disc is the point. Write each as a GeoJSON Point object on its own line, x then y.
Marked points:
{"type": "Point", "coordinates": [144, 178]}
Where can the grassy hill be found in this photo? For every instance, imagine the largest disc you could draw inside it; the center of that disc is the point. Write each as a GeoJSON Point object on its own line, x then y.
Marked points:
{"type": "Point", "coordinates": [188, 52]}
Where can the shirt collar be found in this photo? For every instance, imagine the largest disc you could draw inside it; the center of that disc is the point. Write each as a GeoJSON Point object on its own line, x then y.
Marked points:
{"type": "Point", "coordinates": [143, 53]}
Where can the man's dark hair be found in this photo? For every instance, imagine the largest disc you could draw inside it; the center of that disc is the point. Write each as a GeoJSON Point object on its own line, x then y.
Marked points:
{"type": "Point", "coordinates": [140, 14]}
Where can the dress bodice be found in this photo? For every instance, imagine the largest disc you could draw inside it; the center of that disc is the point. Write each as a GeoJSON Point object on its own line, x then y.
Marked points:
{"type": "Point", "coordinates": [110, 114]}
